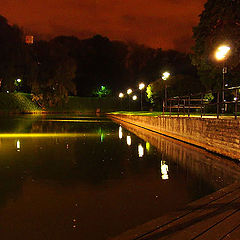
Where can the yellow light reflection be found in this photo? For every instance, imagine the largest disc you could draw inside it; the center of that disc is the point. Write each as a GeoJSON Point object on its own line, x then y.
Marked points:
{"type": "Point", "coordinates": [120, 133]}
{"type": "Point", "coordinates": [129, 141]}
{"type": "Point", "coordinates": [46, 135]}
{"type": "Point", "coordinates": [72, 120]}
{"type": "Point", "coordinates": [164, 170]}
{"type": "Point", "coordinates": [140, 150]}
{"type": "Point", "coordinates": [148, 146]}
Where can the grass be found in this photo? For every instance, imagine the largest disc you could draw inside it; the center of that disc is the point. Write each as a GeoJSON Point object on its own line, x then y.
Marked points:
{"type": "Point", "coordinates": [17, 102]}
{"type": "Point", "coordinates": [143, 113]}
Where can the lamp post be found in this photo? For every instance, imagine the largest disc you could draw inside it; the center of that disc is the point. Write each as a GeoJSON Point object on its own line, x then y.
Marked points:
{"type": "Point", "coordinates": [141, 86]}
{"type": "Point", "coordinates": [129, 92]}
{"type": "Point", "coordinates": [165, 76]}
{"type": "Point", "coordinates": [221, 55]}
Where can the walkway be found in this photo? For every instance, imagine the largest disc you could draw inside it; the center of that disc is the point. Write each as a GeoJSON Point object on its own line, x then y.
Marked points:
{"type": "Point", "coordinates": [214, 217]}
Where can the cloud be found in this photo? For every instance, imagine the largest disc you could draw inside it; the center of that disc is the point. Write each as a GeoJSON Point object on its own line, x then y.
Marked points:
{"type": "Point", "coordinates": [158, 23]}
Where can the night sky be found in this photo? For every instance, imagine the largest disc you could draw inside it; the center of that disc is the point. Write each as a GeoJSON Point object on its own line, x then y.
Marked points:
{"type": "Point", "coordinates": [156, 23]}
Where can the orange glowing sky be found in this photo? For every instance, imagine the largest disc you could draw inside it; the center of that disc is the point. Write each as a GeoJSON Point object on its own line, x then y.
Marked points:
{"type": "Point", "coordinates": [156, 23]}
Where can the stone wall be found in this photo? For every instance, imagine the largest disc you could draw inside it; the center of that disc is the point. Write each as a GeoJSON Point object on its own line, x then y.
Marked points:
{"type": "Point", "coordinates": [221, 136]}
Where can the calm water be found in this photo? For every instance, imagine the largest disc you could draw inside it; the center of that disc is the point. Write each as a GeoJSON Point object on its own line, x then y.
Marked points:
{"type": "Point", "coordinates": [89, 178]}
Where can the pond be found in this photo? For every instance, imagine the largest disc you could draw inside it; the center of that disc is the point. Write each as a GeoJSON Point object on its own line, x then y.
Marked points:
{"type": "Point", "coordinates": [83, 177]}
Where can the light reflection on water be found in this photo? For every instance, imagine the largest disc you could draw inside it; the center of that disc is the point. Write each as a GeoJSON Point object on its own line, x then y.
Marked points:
{"type": "Point", "coordinates": [97, 180]}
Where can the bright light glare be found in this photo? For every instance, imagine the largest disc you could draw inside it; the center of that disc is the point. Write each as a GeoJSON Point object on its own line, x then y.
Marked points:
{"type": "Point", "coordinates": [134, 98]}
{"type": "Point", "coordinates": [129, 140]}
{"type": "Point", "coordinates": [140, 150]}
{"type": "Point", "coordinates": [222, 52]}
{"type": "Point", "coordinates": [120, 133]}
{"type": "Point", "coordinates": [165, 75]}
{"type": "Point", "coordinates": [19, 80]}
{"type": "Point", "coordinates": [141, 86]}
{"type": "Point", "coordinates": [121, 95]}
{"type": "Point", "coordinates": [164, 170]}
{"type": "Point", "coordinates": [18, 145]}
{"type": "Point", "coordinates": [129, 91]}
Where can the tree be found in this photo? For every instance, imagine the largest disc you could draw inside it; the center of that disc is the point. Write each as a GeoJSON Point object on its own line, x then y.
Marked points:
{"type": "Point", "coordinates": [55, 74]}
{"type": "Point", "coordinates": [219, 24]}
{"type": "Point", "coordinates": [103, 91]}
{"type": "Point", "coordinates": [11, 54]}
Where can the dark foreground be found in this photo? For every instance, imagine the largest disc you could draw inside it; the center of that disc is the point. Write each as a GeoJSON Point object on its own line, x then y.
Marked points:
{"type": "Point", "coordinates": [214, 217]}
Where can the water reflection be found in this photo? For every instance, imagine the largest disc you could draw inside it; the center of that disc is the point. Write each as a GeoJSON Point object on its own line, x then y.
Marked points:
{"type": "Point", "coordinates": [164, 170]}
{"type": "Point", "coordinates": [148, 146]}
{"type": "Point", "coordinates": [18, 145]}
{"type": "Point", "coordinates": [140, 150]}
{"type": "Point", "coordinates": [129, 140]}
{"type": "Point", "coordinates": [120, 132]}
{"type": "Point", "coordinates": [63, 183]}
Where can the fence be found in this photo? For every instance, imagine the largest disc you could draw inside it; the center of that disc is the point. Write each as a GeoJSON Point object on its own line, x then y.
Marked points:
{"type": "Point", "coordinates": [225, 101]}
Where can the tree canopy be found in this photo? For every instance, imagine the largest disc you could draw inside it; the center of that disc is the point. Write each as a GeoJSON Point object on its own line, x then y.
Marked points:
{"type": "Point", "coordinates": [219, 24]}
{"type": "Point", "coordinates": [65, 65]}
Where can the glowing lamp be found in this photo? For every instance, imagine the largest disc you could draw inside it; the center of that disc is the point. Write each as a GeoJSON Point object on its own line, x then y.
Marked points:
{"type": "Point", "coordinates": [134, 98]}
{"type": "Point", "coordinates": [129, 91]}
{"type": "Point", "coordinates": [165, 76]}
{"type": "Point", "coordinates": [121, 95]}
{"type": "Point", "coordinates": [221, 52]}
{"type": "Point", "coordinates": [141, 86]}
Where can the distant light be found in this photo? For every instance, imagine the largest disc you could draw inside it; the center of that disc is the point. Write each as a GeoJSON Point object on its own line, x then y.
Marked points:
{"type": "Point", "coordinates": [221, 52]}
{"type": "Point", "coordinates": [134, 98]}
{"type": "Point", "coordinates": [129, 91]}
{"type": "Point", "coordinates": [121, 95]}
{"type": "Point", "coordinates": [7, 91]}
{"type": "Point", "coordinates": [29, 39]}
{"type": "Point", "coordinates": [235, 99]}
{"type": "Point", "coordinates": [120, 133]}
{"type": "Point", "coordinates": [19, 80]}
{"type": "Point", "coordinates": [141, 86]}
{"type": "Point", "coordinates": [140, 150]}
{"type": "Point", "coordinates": [129, 140]}
{"type": "Point", "coordinates": [165, 75]}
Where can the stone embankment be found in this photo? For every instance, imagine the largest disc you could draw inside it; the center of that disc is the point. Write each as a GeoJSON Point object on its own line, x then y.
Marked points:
{"type": "Point", "coordinates": [221, 136]}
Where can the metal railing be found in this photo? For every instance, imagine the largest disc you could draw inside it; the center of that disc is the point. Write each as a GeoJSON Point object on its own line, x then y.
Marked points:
{"type": "Point", "coordinates": [198, 103]}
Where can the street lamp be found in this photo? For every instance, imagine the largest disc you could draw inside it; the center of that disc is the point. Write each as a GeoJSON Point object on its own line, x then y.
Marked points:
{"type": "Point", "coordinates": [134, 97]}
{"type": "Point", "coordinates": [165, 76]}
{"type": "Point", "coordinates": [141, 86]}
{"type": "Point", "coordinates": [129, 92]}
{"type": "Point", "coordinates": [221, 55]}
{"type": "Point", "coordinates": [121, 95]}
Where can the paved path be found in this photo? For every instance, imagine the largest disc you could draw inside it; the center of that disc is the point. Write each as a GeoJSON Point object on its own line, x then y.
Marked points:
{"type": "Point", "coordinates": [214, 217]}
